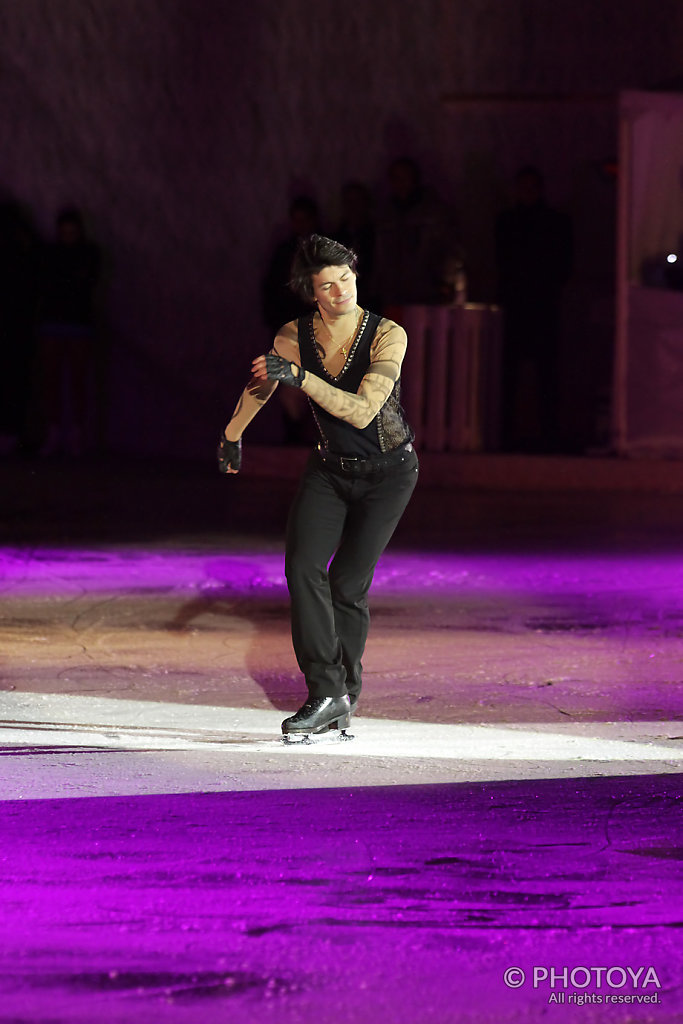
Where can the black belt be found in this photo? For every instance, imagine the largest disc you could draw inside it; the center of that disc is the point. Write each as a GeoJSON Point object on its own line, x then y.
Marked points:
{"type": "Point", "coordinates": [353, 464]}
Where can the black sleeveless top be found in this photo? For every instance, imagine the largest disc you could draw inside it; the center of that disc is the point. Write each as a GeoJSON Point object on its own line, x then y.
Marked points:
{"type": "Point", "coordinates": [388, 429]}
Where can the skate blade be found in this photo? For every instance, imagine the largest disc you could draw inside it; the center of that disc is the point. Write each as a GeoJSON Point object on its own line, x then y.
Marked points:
{"type": "Point", "coordinates": [310, 739]}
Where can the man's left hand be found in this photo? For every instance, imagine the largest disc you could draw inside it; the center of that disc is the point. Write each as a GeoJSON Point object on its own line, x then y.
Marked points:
{"type": "Point", "coordinates": [274, 367]}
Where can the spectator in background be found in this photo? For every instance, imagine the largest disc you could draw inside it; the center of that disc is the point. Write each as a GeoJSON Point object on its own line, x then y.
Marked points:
{"type": "Point", "coordinates": [281, 305]}
{"type": "Point", "coordinates": [357, 232]}
{"type": "Point", "coordinates": [69, 275]}
{"type": "Point", "coordinates": [534, 254]}
{"type": "Point", "coordinates": [18, 267]}
{"type": "Point", "coordinates": [415, 240]}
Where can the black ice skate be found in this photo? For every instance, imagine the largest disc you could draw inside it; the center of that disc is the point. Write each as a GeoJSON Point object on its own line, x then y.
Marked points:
{"type": "Point", "coordinates": [317, 716]}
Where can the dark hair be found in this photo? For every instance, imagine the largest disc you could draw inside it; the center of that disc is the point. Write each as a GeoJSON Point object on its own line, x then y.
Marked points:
{"type": "Point", "coordinates": [313, 254]}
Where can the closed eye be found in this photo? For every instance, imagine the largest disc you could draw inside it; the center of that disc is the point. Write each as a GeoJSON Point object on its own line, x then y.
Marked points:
{"type": "Point", "coordinates": [326, 287]}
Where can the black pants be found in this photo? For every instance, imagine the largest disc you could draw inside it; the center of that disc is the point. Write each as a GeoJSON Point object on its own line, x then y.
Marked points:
{"type": "Point", "coordinates": [354, 516]}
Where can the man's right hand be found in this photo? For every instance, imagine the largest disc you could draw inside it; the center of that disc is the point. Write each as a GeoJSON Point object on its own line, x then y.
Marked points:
{"type": "Point", "coordinates": [229, 455]}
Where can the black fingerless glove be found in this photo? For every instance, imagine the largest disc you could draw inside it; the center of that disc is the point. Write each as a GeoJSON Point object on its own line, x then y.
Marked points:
{"type": "Point", "coordinates": [229, 454]}
{"type": "Point", "coordinates": [281, 369]}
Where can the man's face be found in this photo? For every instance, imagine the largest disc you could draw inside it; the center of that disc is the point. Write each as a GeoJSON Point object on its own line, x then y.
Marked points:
{"type": "Point", "coordinates": [334, 289]}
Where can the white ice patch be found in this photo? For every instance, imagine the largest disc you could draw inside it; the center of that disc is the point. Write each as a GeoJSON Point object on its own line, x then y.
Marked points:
{"type": "Point", "coordinates": [68, 745]}
{"type": "Point", "coordinates": [75, 721]}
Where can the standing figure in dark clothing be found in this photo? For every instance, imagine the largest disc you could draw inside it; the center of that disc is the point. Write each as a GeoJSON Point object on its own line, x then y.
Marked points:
{"type": "Point", "coordinates": [18, 269]}
{"type": "Point", "coordinates": [281, 304]}
{"type": "Point", "coordinates": [534, 254]}
{"type": "Point", "coordinates": [357, 231]}
{"type": "Point", "coordinates": [415, 240]}
{"type": "Point", "coordinates": [69, 275]}
{"type": "Point", "coordinates": [357, 482]}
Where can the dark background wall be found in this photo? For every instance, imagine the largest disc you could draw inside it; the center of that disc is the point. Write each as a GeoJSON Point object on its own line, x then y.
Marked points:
{"type": "Point", "coordinates": [183, 127]}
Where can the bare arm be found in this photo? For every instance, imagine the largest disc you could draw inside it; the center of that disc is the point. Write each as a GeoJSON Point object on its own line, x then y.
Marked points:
{"type": "Point", "coordinates": [258, 391]}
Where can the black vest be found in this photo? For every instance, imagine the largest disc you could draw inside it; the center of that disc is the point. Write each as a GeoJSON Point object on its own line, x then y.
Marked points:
{"type": "Point", "coordinates": [337, 435]}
